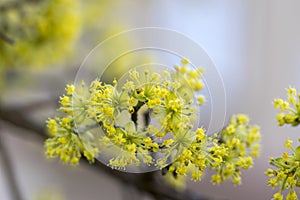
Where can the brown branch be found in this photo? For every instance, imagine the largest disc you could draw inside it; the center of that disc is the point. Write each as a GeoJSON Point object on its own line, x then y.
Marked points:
{"type": "Point", "coordinates": [147, 182]}
{"type": "Point", "coordinates": [134, 115]}
{"type": "Point", "coordinates": [5, 38]}
{"type": "Point", "coordinates": [20, 119]}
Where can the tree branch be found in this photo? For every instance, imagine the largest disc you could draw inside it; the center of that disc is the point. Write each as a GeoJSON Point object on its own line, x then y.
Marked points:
{"type": "Point", "coordinates": [5, 38]}
{"type": "Point", "coordinates": [150, 183]}
{"type": "Point", "coordinates": [134, 115]}
{"type": "Point", "coordinates": [22, 120]}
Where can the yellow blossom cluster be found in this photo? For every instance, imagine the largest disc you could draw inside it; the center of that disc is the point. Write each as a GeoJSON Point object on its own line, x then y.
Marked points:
{"type": "Point", "coordinates": [65, 143]}
{"type": "Point", "coordinates": [192, 77]}
{"type": "Point", "coordinates": [290, 108]}
{"type": "Point", "coordinates": [149, 120]}
{"type": "Point", "coordinates": [226, 152]}
{"type": "Point", "coordinates": [287, 172]}
{"type": "Point", "coordinates": [116, 113]}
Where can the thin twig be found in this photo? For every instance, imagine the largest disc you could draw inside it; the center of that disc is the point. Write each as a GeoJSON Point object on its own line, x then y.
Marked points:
{"type": "Point", "coordinates": [9, 172]}
{"type": "Point", "coordinates": [134, 115]}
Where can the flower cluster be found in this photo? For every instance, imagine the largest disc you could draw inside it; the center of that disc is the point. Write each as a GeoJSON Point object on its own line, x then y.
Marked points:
{"type": "Point", "coordinates": [290, 108]}
{"type": "Point", "coordinates": [287, 174]}
{"type": "Point", "coordinates": [226, 152]}
{"type": "Point", "coordinates": [149, 120]}
{"type": "Point", "coordinates": [65, 143]}
{"type": "Point", "coordinates": [115, 111]}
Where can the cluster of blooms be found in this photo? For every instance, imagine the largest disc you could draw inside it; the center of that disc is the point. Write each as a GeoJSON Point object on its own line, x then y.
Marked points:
{"type": "Point", "coordinates": [165, 97]}
{"type": "Point", "coordinates": [150, 119]}
{"type": "Point", "coordinates": [65, 143]}
{"type": "Point", "coordinates": [287, 174]}
{"type": "Point", "coordinates": [290, 108]}
{"type": "Point", "coordinates": [226, 152]}
{"type": "Point", "coordinates": [43, 32]}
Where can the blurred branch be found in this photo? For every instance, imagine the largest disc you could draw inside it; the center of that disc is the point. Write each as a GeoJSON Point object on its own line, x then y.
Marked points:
{"type": "Point", "coordinates": [150, 182]}
{"type": "Point", "coordinates": [9, 172]}
{"type": "Point", "coordinates": [45, 102]}
{"type": "Point", "coordinates": [21, 120]}
{"type": "Point", "coordinates": [5, 38]}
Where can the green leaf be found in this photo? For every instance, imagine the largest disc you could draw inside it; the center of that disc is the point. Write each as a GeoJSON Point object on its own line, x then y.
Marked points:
{"type": "Point", "coordinates": [130, 128]}
{"type": "Point", "coordinates": [277, 162]}
{"type": "Point", "coordinates": [123, 99]}
{"type": "Point", "coordinates": [297, 153]}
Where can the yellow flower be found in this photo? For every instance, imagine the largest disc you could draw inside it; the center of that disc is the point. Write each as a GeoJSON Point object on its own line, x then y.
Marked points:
{"type": "Point", "coordinates": [70, 89]}
{"type": "Point", "coordinates": [278, 196]}
{"type": "Point", "coordinates": [185, 61]}
{"type": "Point", "coordinates": [200, 133]}
{"type": "Point", "coordinates": [198, 85]}
{"type": "Point", "coordinates": [65, 101]}
{"type": "Point", "coordinates": [168, 142]}
{"type": "Point", "coordinates": [288, 144]}
{"type": "Point", "coordinates": [291, 195]}
{"type": "Point", "coordinates": [134, 75]}
{"type": "Point", "coordinates": [201, 99]}
{"type": "Point", "coordinates": [196, 175]}
{"type": "Point", "coordinates": [131, 147]}
{"type": "Point", "coordinates": [216, 179]}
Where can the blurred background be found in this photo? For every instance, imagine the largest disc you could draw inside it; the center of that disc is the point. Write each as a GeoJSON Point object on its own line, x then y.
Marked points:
{"type": "Point", "coordinates": [255, 45]}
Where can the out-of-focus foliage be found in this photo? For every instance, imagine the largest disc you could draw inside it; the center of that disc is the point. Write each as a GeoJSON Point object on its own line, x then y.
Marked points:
{"type": "Point", "coordinates": [35, 34]}
{"type": "Point", "coordinates": [41, 32]}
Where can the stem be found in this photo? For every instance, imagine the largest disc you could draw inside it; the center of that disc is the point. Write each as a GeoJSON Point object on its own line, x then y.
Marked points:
{"type": "Point", "coordinates": [82, 129]}
{"type": "Point", "coordinates": [147, 118]}
{"type": "Point", "coordinates": [9, 172]}
{"type": "Point", "coordinates": [134, 115]}
{"type": "Point", "coordinates": [283, 183]}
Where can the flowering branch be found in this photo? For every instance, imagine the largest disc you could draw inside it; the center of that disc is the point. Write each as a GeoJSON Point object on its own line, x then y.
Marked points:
{"type": "Point", "coordinates": [152, 186]}
{"type": "Point", "coordinates": [167, 129]}
{"type": "Point", "coordinates": [5, 38]}
{"type": "Point", "coordinates": [102, 120]}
